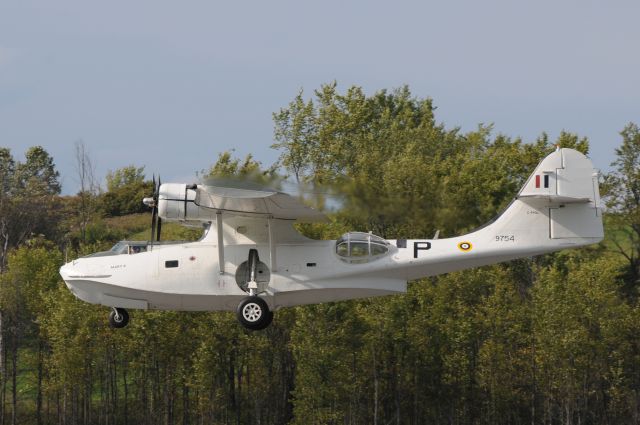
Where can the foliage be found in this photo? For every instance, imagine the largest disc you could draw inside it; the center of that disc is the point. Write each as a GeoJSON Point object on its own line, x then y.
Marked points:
{"type": "Point", "coordinates": [398, 171]}
{"type": "Point", "coordinates": [126, 188]}
{"type": "Point", "coordinates": [129, 175]}
{"type": "Point", "coordinates": [546, 340]}
{"type": "Point", "coordinates": [622, 190]}
{"type": "Point", "coordinates": [228, 170]}
{"type": "Point", "coordinates": [28, 198]}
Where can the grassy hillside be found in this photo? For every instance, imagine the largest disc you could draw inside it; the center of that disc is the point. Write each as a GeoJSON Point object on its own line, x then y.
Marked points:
{"type": "Point", "coordinates": [137, 227]}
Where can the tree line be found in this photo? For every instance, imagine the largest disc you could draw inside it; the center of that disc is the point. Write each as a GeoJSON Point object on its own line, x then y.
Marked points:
{"type": "Point", "coordinates": [547, 340]}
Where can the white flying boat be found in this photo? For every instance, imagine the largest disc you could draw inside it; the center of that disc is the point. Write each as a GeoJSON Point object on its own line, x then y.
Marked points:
{"type": "Point", "coordinates": [252, 260]}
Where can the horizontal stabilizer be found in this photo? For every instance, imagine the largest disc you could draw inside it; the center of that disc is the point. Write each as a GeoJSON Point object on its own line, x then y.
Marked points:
{"type": "Point", "coordinates": [557, 199]}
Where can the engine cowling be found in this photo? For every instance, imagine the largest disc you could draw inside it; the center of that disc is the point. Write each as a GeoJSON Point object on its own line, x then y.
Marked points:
{"type": "Point", "coordinates": [176, 202]}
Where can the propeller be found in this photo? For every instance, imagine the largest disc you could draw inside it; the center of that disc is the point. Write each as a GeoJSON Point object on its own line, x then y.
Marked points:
{"type": "Point", "coordinates": [156, 221]}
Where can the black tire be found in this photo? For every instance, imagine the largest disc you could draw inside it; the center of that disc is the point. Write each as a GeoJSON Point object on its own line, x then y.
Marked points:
{"type": "Point", "coordinates": [267, 321]}
{"type": "Point", "coordinates": [253, 313]}
{"type": "Point", "coordinates": [120, 320]}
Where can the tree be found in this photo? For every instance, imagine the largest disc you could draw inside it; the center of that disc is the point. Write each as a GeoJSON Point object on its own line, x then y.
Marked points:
{"type": "Point", "coordinates": [126, 188]}
{"type": "Point", "coordinates": [27, 201]}
{"type": "Point", "coordinates": [583, 354]}
{"type": "Point", "coordinates": [622, 195]}
{"type": "Point", "coordinates": [397, 171]}
{"type": "Point", "coordinates": [32, 273]}
{"type": "Point", "coordinates": [38, 175]}
{"type": "Point", "coordinates": [546, 340]}
{"type": "Point", "coordinates": [129, 175]}
{"type": "Point", "coordinates": [7, 171]}
{"type": "Point", "coordinates": [227, 166]}
{"type": "Point", "coordinates": [29, 192]}
{"type": "Point", "coordinates": [293, 131]}
{"type": "Point", "coordinates": [88, 189]}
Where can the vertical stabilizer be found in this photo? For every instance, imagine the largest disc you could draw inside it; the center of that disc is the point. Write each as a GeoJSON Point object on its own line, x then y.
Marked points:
{"type": "Point", "coordinates": [566, 183]}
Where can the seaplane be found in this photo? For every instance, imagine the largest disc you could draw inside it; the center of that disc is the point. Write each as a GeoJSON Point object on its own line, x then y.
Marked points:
{"type": "Point", "coordinates": [251, 260]}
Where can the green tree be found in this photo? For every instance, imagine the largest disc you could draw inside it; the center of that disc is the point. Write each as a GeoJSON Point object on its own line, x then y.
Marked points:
{"type": "Point", "coordinates": [129, 175]}
{"type": "Point", "coordinates": [622, 194]}
{"type": "Point", "coordinates": [88, 190]}
{"type": "Point", "coordinates": [32, 273]}
{"type": "Point", "coordinates": [126, 188]}
{"type": "Point", "coordinates": [7, 170]}
{"type": "Point", "coordinates": [37, 175]}
{"type": "Point", "coordinates": [294, 135]}
{"type": "Point", "coordinates": [584, 357]}
{"type": "Point", "coordinates": [230, 169]}
{"type": "Point", "coordinates": [28, 200]}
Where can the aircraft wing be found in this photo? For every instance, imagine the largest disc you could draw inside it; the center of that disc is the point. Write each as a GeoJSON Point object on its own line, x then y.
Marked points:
{"type": "Point", "coordinates": [249, 202]}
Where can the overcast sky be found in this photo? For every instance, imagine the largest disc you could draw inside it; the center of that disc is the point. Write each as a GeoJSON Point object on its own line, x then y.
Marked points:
{"type": "Point", "coordinates": [170, 84]}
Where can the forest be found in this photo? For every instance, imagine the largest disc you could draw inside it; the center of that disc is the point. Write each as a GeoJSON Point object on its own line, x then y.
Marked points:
{"type": "Point", "coordinates": [552, 339]}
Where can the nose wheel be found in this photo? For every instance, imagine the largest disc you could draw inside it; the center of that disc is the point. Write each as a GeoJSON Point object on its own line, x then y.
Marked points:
{"type": "Point", "coordinates": [254, 314]}
{"type": "Point", "coordinates": [118, 318]}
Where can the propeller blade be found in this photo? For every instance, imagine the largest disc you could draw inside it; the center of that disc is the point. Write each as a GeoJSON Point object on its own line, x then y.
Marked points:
{"type": "Point", "coordinates": [186, 192]}
{"type": "Point", "coordinates": [155, 220]}
{"type": "Point", "coordinates": [154, 213]}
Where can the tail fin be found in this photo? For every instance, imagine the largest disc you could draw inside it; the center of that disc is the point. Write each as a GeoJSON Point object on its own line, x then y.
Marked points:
{"type": "Point", "coordinates": [567, 182]}
{"type": "Point", "coordinates": [558, 205]}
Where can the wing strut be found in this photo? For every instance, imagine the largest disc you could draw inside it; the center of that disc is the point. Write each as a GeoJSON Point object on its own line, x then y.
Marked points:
{"type": "Point", "coordinates": [272, 244]}
{"type": "Point", "coordinates": [220, 242]}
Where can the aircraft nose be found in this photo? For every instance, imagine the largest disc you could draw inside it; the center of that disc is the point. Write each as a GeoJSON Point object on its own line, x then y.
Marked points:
{"type": "Point", "coordinates": [66, 270]}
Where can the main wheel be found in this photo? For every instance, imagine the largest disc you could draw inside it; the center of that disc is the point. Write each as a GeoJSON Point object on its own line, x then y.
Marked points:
{"type": "Point", "coordinates": [253, 313]}
{"type": "Point", "coordinates": [118, 318]}
{"type": "Point", "coordinates": [265, 324]}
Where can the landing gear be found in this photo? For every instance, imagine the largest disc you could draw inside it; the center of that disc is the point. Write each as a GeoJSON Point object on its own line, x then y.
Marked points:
{"type": "Point", "coordinates": [118, 318]}
{"type": "Point", "coordinates": [254, 314]}
{"type": "Point", "coordinates": [253, 261]}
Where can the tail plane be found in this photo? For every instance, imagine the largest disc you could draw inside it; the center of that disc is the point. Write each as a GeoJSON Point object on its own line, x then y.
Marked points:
{"type": "Point", "coordinates": [565, 186]}
{"type": "Point", "coordinates": [558, 207]}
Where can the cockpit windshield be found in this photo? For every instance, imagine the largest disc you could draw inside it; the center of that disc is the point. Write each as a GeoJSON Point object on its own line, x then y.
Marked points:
{"type": "Point", "coordinates": [128, 247]}
{"type": "Point", "coordinates": [132, 247]}
{"type": "Point", "coordinates": [359, 247]}
{"type": "Point", "coordinates": [119, 248]}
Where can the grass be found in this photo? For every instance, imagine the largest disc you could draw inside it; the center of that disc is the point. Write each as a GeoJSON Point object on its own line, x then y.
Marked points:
{"type": "Point", "coordinates": [137, 227]}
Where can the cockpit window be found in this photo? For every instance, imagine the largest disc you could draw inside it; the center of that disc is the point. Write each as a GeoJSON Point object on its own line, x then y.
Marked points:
{"type": "Point", "coordinates": [137, 248]}
{"type": "Point", "coordinates": [358, 247]}
{"type": "Point", "coordinates": [127, 247]}
{"type": "Point", "coordinates": [120, 248]}
{"type": "Point", "coordinates": [123, 247]}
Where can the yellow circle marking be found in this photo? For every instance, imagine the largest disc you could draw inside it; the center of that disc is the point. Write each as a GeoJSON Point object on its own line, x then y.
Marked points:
{"type": "Point", "coordinates": [465, 246]}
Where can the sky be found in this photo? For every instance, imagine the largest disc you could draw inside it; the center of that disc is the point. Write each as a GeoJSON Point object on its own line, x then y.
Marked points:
{"type": "Point", "coordinates": [169, 85]}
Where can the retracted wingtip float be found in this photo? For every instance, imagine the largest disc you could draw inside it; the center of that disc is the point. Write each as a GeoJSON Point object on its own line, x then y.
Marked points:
{"type": "Point", "coordinates": [252, 260]}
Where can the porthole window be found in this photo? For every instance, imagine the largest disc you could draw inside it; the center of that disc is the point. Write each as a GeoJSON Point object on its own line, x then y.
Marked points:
{"type": "Point", "coordinates": [359, 247]}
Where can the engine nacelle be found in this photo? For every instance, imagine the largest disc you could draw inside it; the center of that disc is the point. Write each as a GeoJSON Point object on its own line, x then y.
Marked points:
{"type": "Point", "coordinates": [176, 203]}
